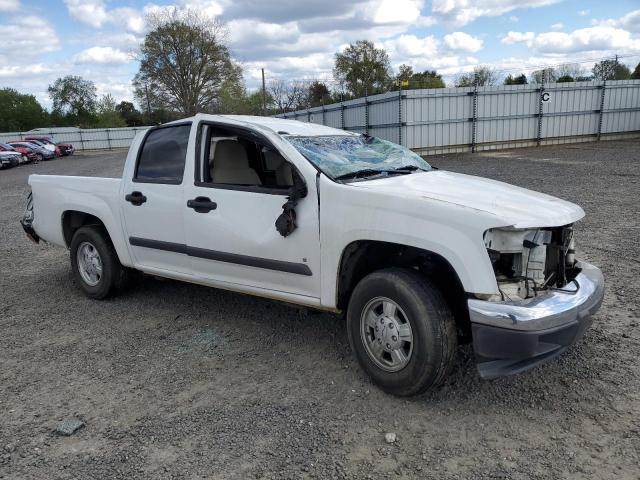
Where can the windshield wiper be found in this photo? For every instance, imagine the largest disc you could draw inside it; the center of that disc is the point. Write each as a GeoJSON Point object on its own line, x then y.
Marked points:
{"type": "Point", "coordinates": [408, 168]}
{"type": "Point", "coordinates": [365, 172]}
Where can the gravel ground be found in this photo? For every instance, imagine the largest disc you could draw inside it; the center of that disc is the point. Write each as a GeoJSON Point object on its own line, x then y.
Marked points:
{"type": "Point", "coordinates": [180, 381]}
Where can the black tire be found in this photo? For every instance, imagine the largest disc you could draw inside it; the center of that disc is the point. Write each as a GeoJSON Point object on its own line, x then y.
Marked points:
{"type": "Point", "coordinates": [113, 276]}
{"type": "Point", "coordinates": [434, 343]}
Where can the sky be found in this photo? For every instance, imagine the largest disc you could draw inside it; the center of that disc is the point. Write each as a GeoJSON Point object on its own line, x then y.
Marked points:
{"type": "Point", "coordinates": [297, 39]}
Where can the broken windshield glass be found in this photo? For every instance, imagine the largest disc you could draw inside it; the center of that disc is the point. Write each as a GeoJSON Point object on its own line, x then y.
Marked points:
{"type": "Point", "coordinates": [340, 155]}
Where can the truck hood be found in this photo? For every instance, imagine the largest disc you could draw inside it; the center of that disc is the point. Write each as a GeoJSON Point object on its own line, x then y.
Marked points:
{"type": "Point", "coordinates": [513, 206]}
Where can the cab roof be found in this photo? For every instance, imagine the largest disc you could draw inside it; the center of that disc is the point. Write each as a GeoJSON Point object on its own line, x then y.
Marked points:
{"type": "Point", "coordinates": [277, 125]}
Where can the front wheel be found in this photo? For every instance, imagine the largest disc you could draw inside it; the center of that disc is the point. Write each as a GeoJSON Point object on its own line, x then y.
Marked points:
{"type": "Point", "coordinates": [95, 264]}
{"type": "Point", "coordinates": [402, 331]}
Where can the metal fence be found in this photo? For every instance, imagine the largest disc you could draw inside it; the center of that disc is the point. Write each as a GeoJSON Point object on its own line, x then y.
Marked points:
{"type": "Point", "coordinates": [460, 119]}
{"type": "Point", "coordinates": [82, 139]}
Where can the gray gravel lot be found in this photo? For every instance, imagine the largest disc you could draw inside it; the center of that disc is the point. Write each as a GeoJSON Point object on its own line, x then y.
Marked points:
{"type": "Point", "coordinates": [180, 381]}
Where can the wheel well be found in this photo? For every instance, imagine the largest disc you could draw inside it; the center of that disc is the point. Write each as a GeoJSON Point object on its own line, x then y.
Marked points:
{"type": "Point", "coordinates": [72, 220]}
{"type": "Point", "coordinates": [363, 257]}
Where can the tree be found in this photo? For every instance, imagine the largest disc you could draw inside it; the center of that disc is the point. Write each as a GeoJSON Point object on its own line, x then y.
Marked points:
{"type": "Point", "coordinates": [573, 70]}
{"type": "Point", "coordinates": [565, 79]}
{"type": "Point", "coordinates": [426, 79]}
{"type": "Point", "coordinates": [636, 73]}
{"type": "Point", "coordinates": [129, 113]}
{"type": "Point", "coordinates": [74, 98]}
{"type": "Point", "coordinates": [481, 76]}
{"type": "Point", "coordinates": [184, 62]}
{"type": "Point", "coordinates": [406, 79]}
{"type": "Point", "coordinates": [20, 112]}
{"type": "Point", "coordinates": [611, 70]}
{"type": "Point", "coordinates": [362, 68]}
{"type": "Point", "coordinates": [405, 72]}
{"type": "Point", "coordinates": [519, 80]}
{"type": "Point", "coordinates": [545, 75]}
{"type": "Point", "coordinates": [318, 94]}
{"type": "Point", "coordinates": [107, 114]}
{"type": "Point", "coordinates": [287, 96]}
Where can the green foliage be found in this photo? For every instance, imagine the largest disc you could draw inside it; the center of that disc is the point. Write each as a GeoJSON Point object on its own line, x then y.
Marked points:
{"type": "Point", "coordinates": [363, 69]}
{"type": "Point", "coordinates": [636, 73]}
{"type": "Point", "coordinates": [566, 79]}
{"type": "Point", "coordinates": [185, 65]}
{"type": "Point", "coordinates": [518, 80]}
{"type": "Point", "coordinates": [74, 99]}
{"type": "Point", "coordinates": [107, 115]}
{"type": "Point", "coordinates": [318, 94]}
{"type": "Point", "coordinates": [611, 70]}
{"type": "Point", "coordinates": [130, 114]}
{"type": "Point", "coordinates": [406, 79]}
{"type": "Point", "coordinates": [19, 112]}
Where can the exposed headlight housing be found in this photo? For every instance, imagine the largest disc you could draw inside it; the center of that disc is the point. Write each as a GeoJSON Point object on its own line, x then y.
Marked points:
{"type": "Point", "coordinates": [527, 261]}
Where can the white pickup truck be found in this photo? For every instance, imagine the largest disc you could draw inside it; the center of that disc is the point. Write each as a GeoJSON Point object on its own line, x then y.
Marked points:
{"type": "Point", "coordinates": [419, 259]}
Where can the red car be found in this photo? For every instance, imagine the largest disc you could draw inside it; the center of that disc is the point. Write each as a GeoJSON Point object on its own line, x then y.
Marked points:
{"type": "Point", "coordinates": [61, 147]}
{"type": "Point", "coordinates": [26, 151]}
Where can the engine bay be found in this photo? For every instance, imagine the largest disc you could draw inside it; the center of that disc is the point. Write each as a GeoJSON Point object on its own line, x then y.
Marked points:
{"type": "Point", "coordinates": [527, 262]}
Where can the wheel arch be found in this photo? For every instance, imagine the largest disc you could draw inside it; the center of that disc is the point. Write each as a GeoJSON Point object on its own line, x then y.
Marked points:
{"type": "Point", "coordinates": [72, 220]}
{"type": "Point", "coordinates": [362, 257]}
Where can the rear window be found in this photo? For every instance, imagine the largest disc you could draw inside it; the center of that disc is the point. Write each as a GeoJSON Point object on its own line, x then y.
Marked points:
{"type": "Point", "coordinates": [163, 155]}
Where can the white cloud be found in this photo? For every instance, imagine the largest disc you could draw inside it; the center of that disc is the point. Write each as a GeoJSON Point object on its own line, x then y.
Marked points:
{"type": "Point", "coordinates": [29, 36]}
{"type": "Point", "coordinates": [516, 37]}
{"type": "Point", "coordinates": [514, 19]}
{"type": "Point", "coordinates": [462, 41]}
{"type": "Point", "coordinates": [9, 5]}
{"type": "Point", "coordinates": [586, 39]}
{"type": "Point", "coordinates": [584, 13]}
{"type": "Point", "coordinates": [397, 11]}
{"type": "Point", "coordinates": [410, 46]}
{"type": "Point", "coordinates": [13, 71]}
{"type": "Point", "coordinates": [91, 12]}
{"type": "Point", "coordinates": [592, 39]}
{"type": "Point", "coordinates": [557, 26]}
{"type": "Point", "coordinates": [631, 21]}
{"type": "Point", "coordinates": [104, 55]}
{"type": "Point", "coordinates": [461, 12]}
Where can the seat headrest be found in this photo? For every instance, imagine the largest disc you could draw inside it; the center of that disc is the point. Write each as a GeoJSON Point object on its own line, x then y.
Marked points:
{"type": "Point", "coordinates": [230, 154]}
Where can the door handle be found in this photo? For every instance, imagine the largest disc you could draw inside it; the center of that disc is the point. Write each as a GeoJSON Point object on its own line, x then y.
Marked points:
{"type": "Point", "coordinates": [136, 198]}
{"type": "Point", "coordinates": [202, 204]}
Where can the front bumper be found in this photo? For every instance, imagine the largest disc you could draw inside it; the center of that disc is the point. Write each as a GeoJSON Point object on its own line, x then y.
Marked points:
{"type": "Point", "coordinates": [511, 337]}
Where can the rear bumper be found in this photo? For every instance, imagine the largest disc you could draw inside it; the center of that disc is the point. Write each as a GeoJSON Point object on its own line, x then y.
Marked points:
{"type": "Point", "coordinates": [511, 337]}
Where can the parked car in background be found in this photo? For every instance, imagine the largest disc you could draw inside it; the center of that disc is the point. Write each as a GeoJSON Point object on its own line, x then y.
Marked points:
{"type": "Point", "coordinates": [43, 153]}
{"type": "Point", "coordinates": [27, 152]}
{"type": "Point", "coordinates": [5, 163]}
{"type": "Point", "coordinates": [14, 160]}
{"type": "Point", "coordinates": [46, 146]}
{"type": "Point", "coordinates": [63, 147]}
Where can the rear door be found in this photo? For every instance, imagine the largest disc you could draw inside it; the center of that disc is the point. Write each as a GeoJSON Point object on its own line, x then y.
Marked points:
{"type": "Point", "coordinates": [152, 201]}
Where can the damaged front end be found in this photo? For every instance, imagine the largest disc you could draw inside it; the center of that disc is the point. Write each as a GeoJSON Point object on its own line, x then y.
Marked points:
{"type": "Point", "coordinates": [544, 301]}
{"type": "Point", "coordinates": [527, 262]}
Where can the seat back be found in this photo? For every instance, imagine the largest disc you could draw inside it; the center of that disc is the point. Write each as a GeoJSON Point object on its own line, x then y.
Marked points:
{"type": "Point", "coordinates": [274, 161]}
{"type": "Point", "coordinates": [231, 164]}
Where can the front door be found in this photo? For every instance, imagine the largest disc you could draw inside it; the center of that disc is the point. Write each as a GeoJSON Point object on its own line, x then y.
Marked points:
{"type": "Point", "coordinates": [152, 201]}
{"type": "Point", "coordinates": [231, 214]}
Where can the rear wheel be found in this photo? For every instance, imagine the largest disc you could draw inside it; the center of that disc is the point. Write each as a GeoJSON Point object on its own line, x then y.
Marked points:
{"type": "Point", "coordinates": [95, 264]}
{"type": "Point", "coordinates": [402, 331]}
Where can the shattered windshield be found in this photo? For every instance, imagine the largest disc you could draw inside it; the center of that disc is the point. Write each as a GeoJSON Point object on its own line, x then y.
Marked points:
{"type": "Point", "coordinates": [346, 155]}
